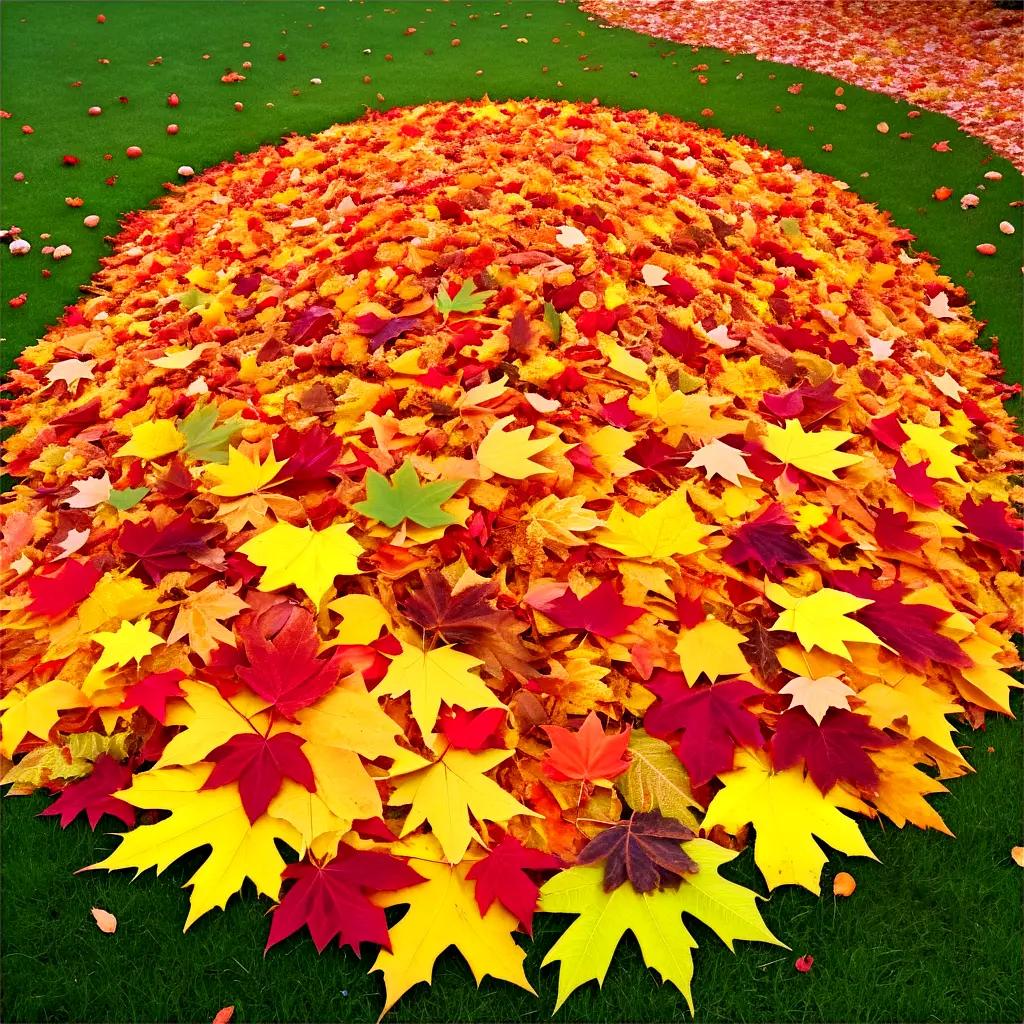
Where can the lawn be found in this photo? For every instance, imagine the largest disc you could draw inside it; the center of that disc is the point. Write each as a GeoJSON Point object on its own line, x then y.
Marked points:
{"type": "Point", "coordinates": [934, 930]}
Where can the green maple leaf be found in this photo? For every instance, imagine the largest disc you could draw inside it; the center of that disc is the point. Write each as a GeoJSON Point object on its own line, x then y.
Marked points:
{"type": "Point", "coordinates": [404, 497]}
{"type": "Point", "coordinates": [127, 498]}
{"type": "Point", "coordinates": [554, 322]}
{"type": "Point", "coordinates": [467, 300]}
{"type": "Point", "coordinates": [204, 440]}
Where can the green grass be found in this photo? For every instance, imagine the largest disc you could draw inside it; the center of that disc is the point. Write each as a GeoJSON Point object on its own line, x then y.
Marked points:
{"type": "Point", "coordinates": [934, 931]}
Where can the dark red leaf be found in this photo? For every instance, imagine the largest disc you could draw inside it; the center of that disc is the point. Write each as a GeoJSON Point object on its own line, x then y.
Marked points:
{"type": "Point", "coordinates": [833, 751]}
{"type": "Point", "coordinates": [179, 546]}
{"type": "Point", "coordinates": [767, 541]}
{"type": "Point", "coordinates": [92, 795]}
{"type": "Point", "coordinates": [260, 766]}
{"type": "Point", "coordinates": [645, 850]}
{"type": "Point", "coordinates": [502, 876]}
{"type": "Point", "coordinates": [989, 521]}
{"type": "Point", "coordinates": [602, 612]}
{"type": "Point", "coordinates": [710, 721]}
{"type": "Point", "coordinates": [332, 899]}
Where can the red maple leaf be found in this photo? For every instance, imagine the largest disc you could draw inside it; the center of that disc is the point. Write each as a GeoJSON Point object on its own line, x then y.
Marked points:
{"type": "Point", "coordinates": [502, 876]}
{"type": "Point", "coordinates": [767, 541]}
{"type": "Point", "coordinates": [283, 667]}
{"type": "Point", "coordinates": [989, 521]}
{"type": "Point", "coordinates": [602, 612]}
{"type": "Point", "coordinates": [915, 482]}
{"type": "Point", "coordinates": [92, 795]}
{"type": "Point", "coordinates": [331, 899]}
{"type": "Point", "coordinates": [260, 766]}
{"type": "Point", "coordinates": [587, 754]}
{"type": "Point", "coordinates": [836, 749]}
{"type": "Point", "coordinates": [309, 453]}
{"type": "Point", "coordinates": [909, 629]}
{"type": "Point", "coordinates": [153, 693]}
{"type": "Point", "coordinates": [712, 721]}
{"type": "Point", "coordinates": [181, 545]}
{"type": "Point", "coordinates": [891, 531]}
{"type": "Point", "coordinates": [56, 594]}
{"type": "Point", "coordinates": [473, 730]}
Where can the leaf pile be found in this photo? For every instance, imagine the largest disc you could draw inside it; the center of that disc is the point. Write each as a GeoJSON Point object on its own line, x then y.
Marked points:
{"type": "Point", "coordinates": [956, 57]}
{"type": "Point", "coordinates": [443, 493]}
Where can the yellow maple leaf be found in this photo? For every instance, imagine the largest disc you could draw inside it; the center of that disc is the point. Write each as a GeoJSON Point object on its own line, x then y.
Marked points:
{"type": "Point", "coordinates": [446, 792]}
{"type": "Point", "coordinates": [554, 522]}
{"type": "Point", "coordinates": [443, 912]}
{"type": "Point", "coordinates": [362, 619]}
{"type": "Point", "coordinates": [131, 642]}
{"type": "Point", "coordinates": [430, 677]}
{"type": "Point", "coordinates": [923, 709]}
{"type": "Point", "coordinates": [509, 453]}
{"type": "Point", "coordinates": [35, 712]}
{"type": "Point", "coordinates": [931, 444]}
{"type": "Point", "coordinates": [200, 617]}
{"type": "Point", "coordinates": [585, 949]}
{"type": "Point", "coordinates": [788, 811]}
{"type": "Point", "coordinates": [242, 475]}
{"type": "Point", "coordinates": [210, 817]}
{"type": "Point", "coordinates": [668, 529]}
{"type": "Point", "coordinates": [306, 558]}
{"type": "Point", "coordinates": [901, 789]}
{"type": "Point", "coordinates": [821, 619]}
{"type": "Point", "coordinates": [711, 648]}
{"type": "Point", "coordinates": [152, 440]}
{"type": "Point", "coordinates": [812, 452]}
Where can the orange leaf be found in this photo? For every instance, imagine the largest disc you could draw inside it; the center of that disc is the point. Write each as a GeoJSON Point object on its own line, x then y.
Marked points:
{"type": "Point", "coordinates": [844, 884]}
{"type": "Point", "coordinates": [105, 921]}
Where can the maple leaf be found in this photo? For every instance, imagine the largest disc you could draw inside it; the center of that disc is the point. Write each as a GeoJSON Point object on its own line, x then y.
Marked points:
{"type": "Point", "coordinates": [89, 493]}
{"type": "Point", "coordinates": [813, 453]}
{"type": "Point", "coordinates": [585, 949]}
{"type": "Point", "coordinates": [283, 665]}
{"type": "Point", "coordinates": [57, 593]}
{"type": "Point", "coordinates": [601, 612]}
{"type": "Point", "coordinates": [901, 790]}
{"type": "Point", "coordinates": [711, 648]}
{"type": "Point", "coordinates": [502, 876]}
{"type": "Point", "coordinates": [126, 497]}
{"type": "Point", "coordinates": [930, 444]}
{"type": "Point", "coordinates": [988, 520]}
{"type": "Point", "coordinates": [712, 722]}
{"type": "Point", "coordinates": [468, 730]}
{"type": "Point", "coordinates": [443, 912]}
{"type": "Point", "coordinates": [655, 781]}
{"type": "Point", "coordinates": [821, 619]}
{"type": "Point", "coordinates": [466, 300]}
{"type": "Point", "coordinates": [303, 557]}
{"type": "Point", "coordinates": [310, 453]}
{"type": "Point", "coordinates": [509, 453]}
{"type": "Point", "coordinates": [587, 754]}
{"type": "Point", "coordinates": [834, 750]}
{"type": "Point", "coordinates": [153, 693]}
{"type": "Point", "coordinates": [132, 641]}
{"type": "Point", "coordinates": [719, 459]}
{"type": "Point", "coordinates": [788, 811]}
{"type": "Point", "coordinates": [910, 629]}
{"type": "Point", "coordinates": [554, 522]}
{"type": "Point", "coordinates": [93, 797]}
{"type": "Point", "coordinates": [433, 676]}
{"type": "Point", "coordinates": [260, 765]}
{"type": "Point", "coordinates": [198, 817]}
{"type": "Point", "coordinates": [466, 615]}
{"type": "Point", "coordinates": [664, 531]}
{"type": "Point", "coordinates": [767, 541]}
{"type": "Point", "coordinates": [332, 899]}
{"type": "Point", "coordinates": [179, 546]}
{"type": "Point", "coordinates": [152, 440]}
{"type": "Point", "coordinates": [205, 441]}
{"type": "Point", "coordinates": [404, 497]}
{"type": "Point", "coordinates": [200, 616]}
{"type": "Point", "coordinates": [816, 696]}
{"type": "Point", "coordinates": [242, 475]}
{"type": "Point", "coordinates": [447, 791]}
{"type": "Point", "coordinates": [645, 850]}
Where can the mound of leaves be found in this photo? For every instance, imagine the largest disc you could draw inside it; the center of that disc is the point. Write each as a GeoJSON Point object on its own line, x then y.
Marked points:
{"type": "Point", "coordinates": [505, 507]}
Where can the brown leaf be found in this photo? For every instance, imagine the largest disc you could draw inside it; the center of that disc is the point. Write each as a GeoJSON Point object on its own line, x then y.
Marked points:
{"type": "Point", "coordinates": [645, 850]}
